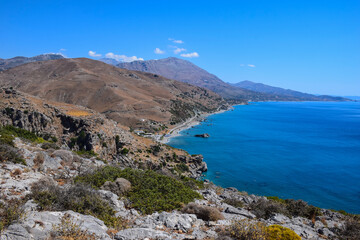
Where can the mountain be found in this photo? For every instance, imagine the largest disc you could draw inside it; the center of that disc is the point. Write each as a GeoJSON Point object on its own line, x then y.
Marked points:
{"type": "Point", "coordinates": [110, 61]}
{"type": "Point", "coordinates": [17, 61]}
{"type": "Point", "coordinates": [286, 93]}
{"type": "Point", "coordinates": [129, 97]}
{"type": "Point", "coordinates": [185, 71]}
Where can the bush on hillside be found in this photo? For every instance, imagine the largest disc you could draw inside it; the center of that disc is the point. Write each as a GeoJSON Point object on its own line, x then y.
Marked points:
{"type": "Point", "coordinates": [351, 229]}
{"type": "Point", "coordinates": [79, 198]}
{"type": "Point", "coordinates": [244, 230]}
{"type": "Point", "coordinates": [10, 154]}
{"type": "Point", "coordinates": [11, 131]}
{"type": "Point", "coordinates": [10, 212]}
{"type": "Point", "coordinates": [205, 213]}
{"type": "Point", "coordinates": [288, 207]}
{"type": "Point", "coordinates": [150, 191]}
{"type": "Point", "coordinates": [277, 232]}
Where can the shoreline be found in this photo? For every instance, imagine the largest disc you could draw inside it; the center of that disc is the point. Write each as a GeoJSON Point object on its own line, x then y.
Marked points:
{"type": "Point", "coordinates": [194, 121]}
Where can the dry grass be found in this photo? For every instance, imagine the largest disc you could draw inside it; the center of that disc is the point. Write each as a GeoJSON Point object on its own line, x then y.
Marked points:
{"type": "Point", "coordinates": [16, 172]}
{"type": "Point", "coordinates": [205, 213]}
{"type": "Point", "coordinates": [78, 113]}
{"type": "Point", "coordinates": [68, 229]}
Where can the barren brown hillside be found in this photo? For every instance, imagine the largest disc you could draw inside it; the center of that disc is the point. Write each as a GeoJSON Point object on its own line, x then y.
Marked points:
{"type": "Point", "coordinates": [129, 97]}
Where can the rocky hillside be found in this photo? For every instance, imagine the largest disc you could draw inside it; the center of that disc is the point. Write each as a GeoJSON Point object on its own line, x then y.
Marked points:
{"type": "Point", "coordinates": [135, 99]}
{"type": "Point", "coordinates": [68, 172]}
{"type": "Point", "coordinates": [17, 61]}
{"type": "Point", "coordinates": [282, 93]}
{"type": "Point", "coordinates": [185, 71]}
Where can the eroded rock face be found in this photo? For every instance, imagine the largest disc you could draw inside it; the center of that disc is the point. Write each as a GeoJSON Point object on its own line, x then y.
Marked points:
{"type": "Point", "coordinates": [63, 121]}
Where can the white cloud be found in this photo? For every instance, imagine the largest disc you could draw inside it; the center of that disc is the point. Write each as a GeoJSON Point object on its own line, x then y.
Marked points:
{"type": "Point", "coordinates": [158, 51]}
{"type": "Point", "coordinates": [176, 41]}
{"type": "Point", "coordinates": [247, 65]}
{"type": "Point", "coordinates": [179, 50]}
{"type": "Point", "coordinates": [123, 58]}
{"type": "Point", "coordinates": [94, 54]}
{"type": "Point", "coordinates": [190, 55]}
{"type": "Point", "coordinates": [62, 50]}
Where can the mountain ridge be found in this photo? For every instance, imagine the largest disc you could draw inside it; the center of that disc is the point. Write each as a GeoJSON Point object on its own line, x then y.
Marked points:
{"type": "Point", "coordinates": [282, 92]}
{"type": "Point", "coordinates": [19, 60]}
{"type": "Point", "coordinates": [185, 71]}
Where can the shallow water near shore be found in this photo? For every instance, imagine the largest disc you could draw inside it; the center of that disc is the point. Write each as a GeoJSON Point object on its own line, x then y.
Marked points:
{"type": "Point", "coordinates": [300, 150]}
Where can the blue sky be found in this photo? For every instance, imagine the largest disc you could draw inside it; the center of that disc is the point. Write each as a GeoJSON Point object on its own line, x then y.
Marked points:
{"type": "Point", "coordinates": [311, 46]}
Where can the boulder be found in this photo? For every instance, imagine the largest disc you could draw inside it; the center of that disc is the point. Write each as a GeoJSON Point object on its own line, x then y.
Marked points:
{"type": "Point", "coordinates": [141, 233]}
{"type": "Point", "coordinates": [119, 187]}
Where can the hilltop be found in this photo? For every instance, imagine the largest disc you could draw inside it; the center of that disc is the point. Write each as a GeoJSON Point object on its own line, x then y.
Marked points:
{"type": "Point", "coordinates": [135, 99]}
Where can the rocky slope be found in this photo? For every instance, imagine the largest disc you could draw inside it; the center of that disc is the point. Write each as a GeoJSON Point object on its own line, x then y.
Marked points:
{"type": "Point", "coordinates": [38, 195]}
{"type": "Point", "coordinates": [135, 99]}
{"type": "Point", "coordinates": [17, 61]}
{"type": "Point", "coordinates": [282, 93]}
{"type": "Point", "coordinates": [90, 133]}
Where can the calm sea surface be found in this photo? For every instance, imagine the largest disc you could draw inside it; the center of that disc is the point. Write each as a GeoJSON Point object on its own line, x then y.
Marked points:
{"type": "Point", "coordinates": [301, 150]}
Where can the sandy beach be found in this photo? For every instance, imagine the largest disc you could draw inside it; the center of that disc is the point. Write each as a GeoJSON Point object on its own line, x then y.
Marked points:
{"type": "Point", "coordinates": [176, 131]}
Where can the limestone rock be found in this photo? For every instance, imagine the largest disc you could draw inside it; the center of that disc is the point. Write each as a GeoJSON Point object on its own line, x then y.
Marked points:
{"type": "Point", "coordinates": [119, 187]}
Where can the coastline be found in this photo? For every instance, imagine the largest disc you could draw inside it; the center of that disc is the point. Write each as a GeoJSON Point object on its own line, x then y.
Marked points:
{"type": "Point", "coordinates": [176, 131]}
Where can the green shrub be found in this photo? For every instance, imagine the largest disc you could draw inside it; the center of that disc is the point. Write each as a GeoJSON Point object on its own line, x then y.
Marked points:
{"type": "Point", "coordinates": [87, 154]}
{"type": "Point", "coordinates": [277, 232]}
{"type": "Point", "coordinates": [10, 212]}
{"type": "Point", "coordinates": [10, 154]}
{"type": "Point", "coordinates": [234, 202]}
{"type": "Point", "coordinates": [79, 198]}
{"type": "Point", "coordinates": [21, 133]}
{"type": "Point", "coordinates": [289, 207]}
{"type": "Point", "coordinates": [150, 191]}
{"type": "Point", "coordinates": [182, 167]}
{"type": "Point", "coordinates": [124, 151]}
{"type": "Point", "coordinates": [192, 183]}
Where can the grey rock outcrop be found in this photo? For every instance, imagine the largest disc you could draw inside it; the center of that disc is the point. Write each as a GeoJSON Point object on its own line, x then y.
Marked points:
{"type": "Point", "coordinates": [120, 186]}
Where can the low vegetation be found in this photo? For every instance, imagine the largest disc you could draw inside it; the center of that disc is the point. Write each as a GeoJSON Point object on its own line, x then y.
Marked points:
{"type": "Point", "coordinates": [9, 132]}
{"type": "Point", "coordinates": [245, 230]}
{"type": "Point", "coordinates": [351, 229]}
{"type": "Point", "coordinates": [10, 212]}
{"type": "Point", "coordinates": [68, 229]}
{"type": "Point", "coordinates": [288, 207]}
{"type": "Point", "coordinates": [79, 198]}
{"type": "Point", "coordinates": [150, 191]}
{"type": "Point", "coordinates": [203, 212]}
{"type": "Point", "coordinates": [253, 230]}
{"type": "Point", "coordinates": [9, 153]}
{"type": "Point", "coordinates": [277, 232]}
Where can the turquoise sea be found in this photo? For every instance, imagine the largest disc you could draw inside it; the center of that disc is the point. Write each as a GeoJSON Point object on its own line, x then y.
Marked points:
{"type": "Point", "coordinates": [300, 150]}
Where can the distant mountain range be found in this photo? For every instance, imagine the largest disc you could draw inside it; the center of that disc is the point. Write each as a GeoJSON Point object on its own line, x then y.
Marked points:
{"type": "Point", "coordinates": [185, 71]}
{"type": "Point", "coordinates": [281, 92]}
{"type": "Point", "coordinates": [17, 61]}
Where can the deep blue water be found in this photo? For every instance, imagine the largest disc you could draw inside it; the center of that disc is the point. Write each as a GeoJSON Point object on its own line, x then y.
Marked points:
{"type": "Point", "coordinates": [300, 150]}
